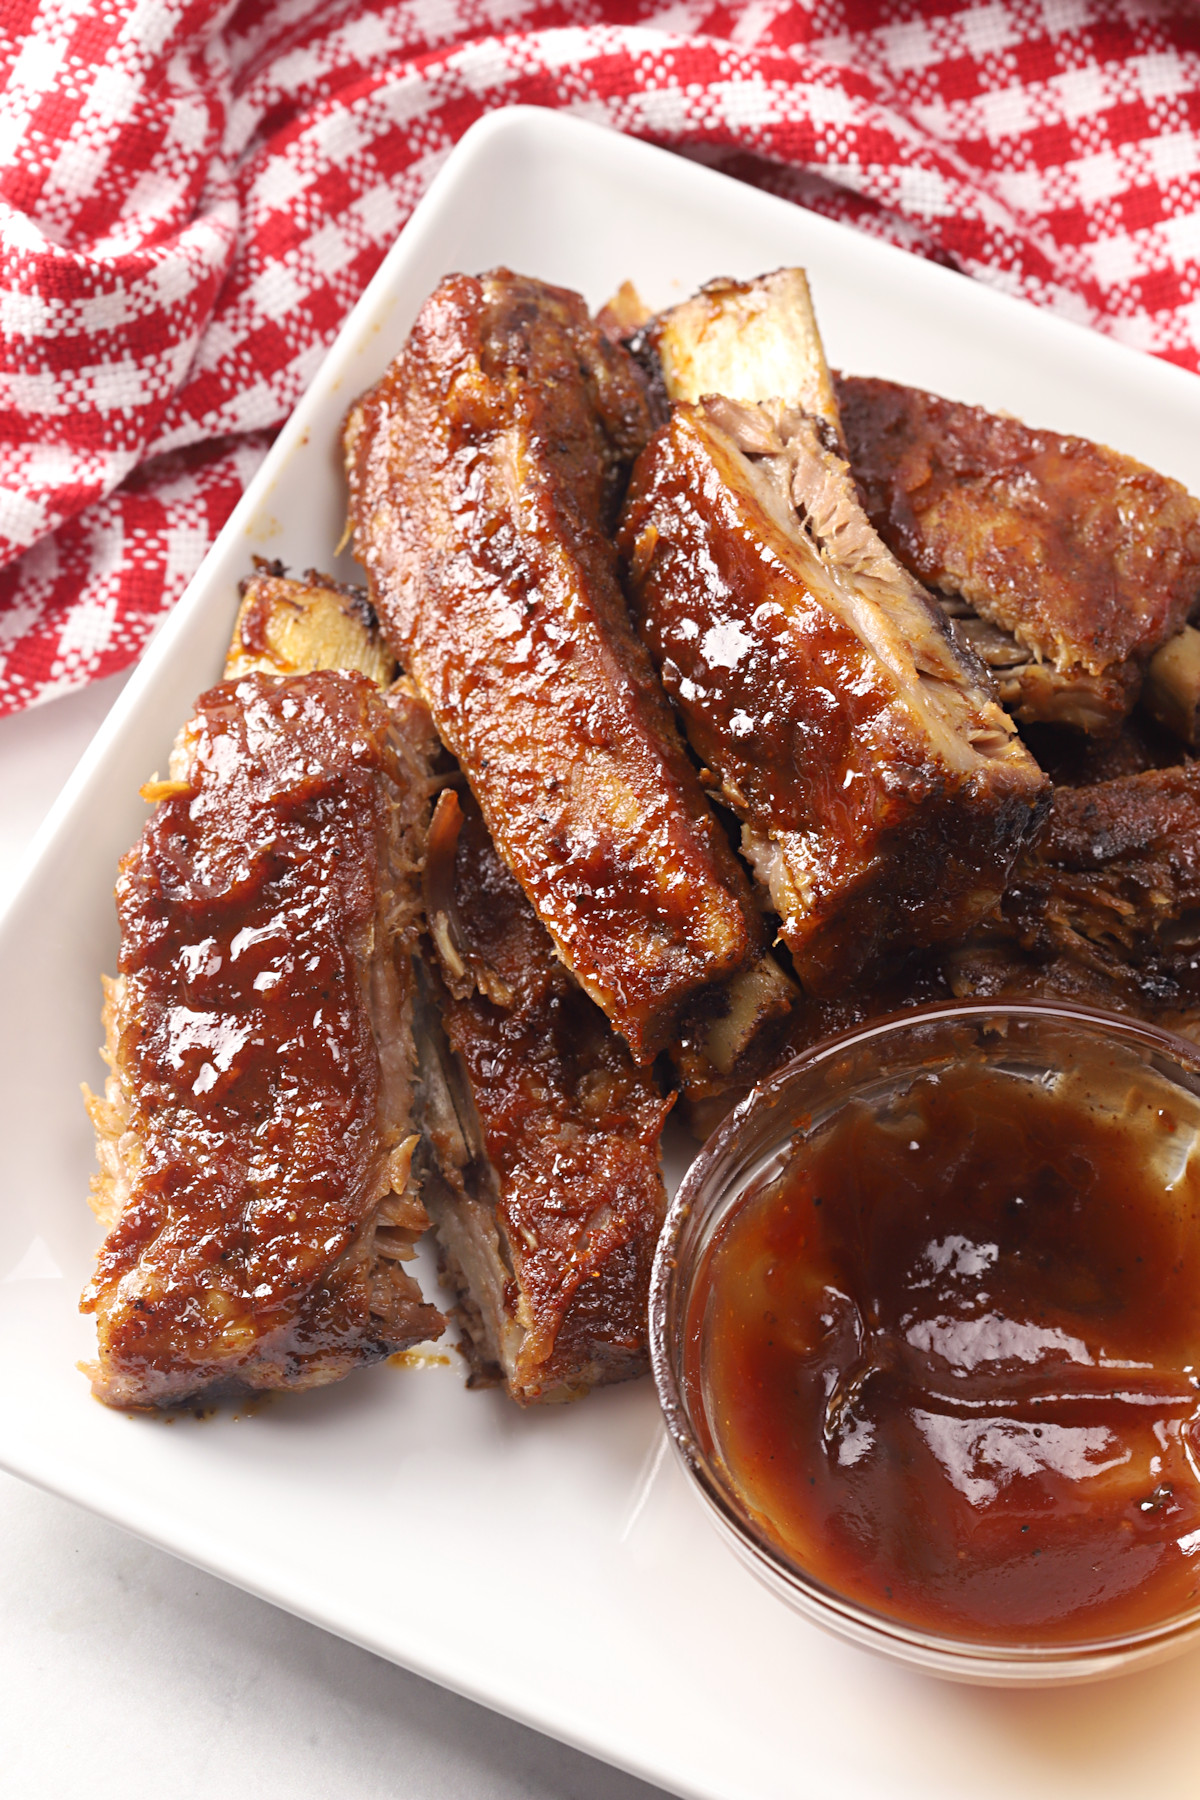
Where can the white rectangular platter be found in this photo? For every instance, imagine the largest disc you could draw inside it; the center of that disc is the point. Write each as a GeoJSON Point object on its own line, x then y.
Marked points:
{"type": "Point", "coordinates": [552, 1565]}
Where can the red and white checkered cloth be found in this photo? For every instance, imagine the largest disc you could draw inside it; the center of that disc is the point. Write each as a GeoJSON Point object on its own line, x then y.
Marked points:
{"type": "Point", "coordinates": [192, 195]}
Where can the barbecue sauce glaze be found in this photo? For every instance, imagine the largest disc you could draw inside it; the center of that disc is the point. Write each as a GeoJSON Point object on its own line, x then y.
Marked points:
{"type": "Point", "coordinates": [950, 1361]}
{"type": "Point", "coordinates": [254, 1086]}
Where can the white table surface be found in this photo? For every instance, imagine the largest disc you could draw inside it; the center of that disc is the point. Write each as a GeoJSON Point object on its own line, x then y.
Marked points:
{"type": "Point", "coordinates": [123, 1670]}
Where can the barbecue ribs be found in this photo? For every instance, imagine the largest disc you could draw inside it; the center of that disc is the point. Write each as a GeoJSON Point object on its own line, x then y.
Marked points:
{"type": "Point", "coordinates": [1105, 906]}
{"type": "Point", "coordinates": [883, 795]}
{"type": "Point", "coordinates": [542, 1176]}
{"type": "Point", "coordinates": [256, 1138]}
{"type": "Point", "coordinates": [485, 470]}
{"type": "Point", "coordinates": [1103, 909]}
{"type": "Point", "coordinates": [1067, 564]}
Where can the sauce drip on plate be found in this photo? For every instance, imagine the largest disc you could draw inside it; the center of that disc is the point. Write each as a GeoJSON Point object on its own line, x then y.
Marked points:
{"type": "Point", "coordinates": [948, 1356]}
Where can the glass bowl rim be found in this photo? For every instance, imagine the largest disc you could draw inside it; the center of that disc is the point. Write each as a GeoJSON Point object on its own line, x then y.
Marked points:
{"type": "Point", "coordinates": [937, 1649]}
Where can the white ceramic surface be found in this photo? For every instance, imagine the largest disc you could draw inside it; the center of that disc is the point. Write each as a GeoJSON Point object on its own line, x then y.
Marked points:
{"type": "Point", "coordinates": [552, 1565]}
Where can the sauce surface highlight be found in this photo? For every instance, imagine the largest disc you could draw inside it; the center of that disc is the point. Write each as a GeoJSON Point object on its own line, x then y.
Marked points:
{"type": "Point", "coordinates": [949, 1359]}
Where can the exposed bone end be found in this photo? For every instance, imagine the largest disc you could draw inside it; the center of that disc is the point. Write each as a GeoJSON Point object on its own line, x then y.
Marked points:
{"type": "Point", "coordinates": [1172, 689]}
{"type": "Point", "coordinates": [756, 997]}
{"type": "Point", "coordinates": [623, 314]}
{"type": "Point", "coordinates": [715, 1051]}
{"type": "Point", "coordinates": [748, 340]}
{"type": "Point", "coordinates": [287, 627]}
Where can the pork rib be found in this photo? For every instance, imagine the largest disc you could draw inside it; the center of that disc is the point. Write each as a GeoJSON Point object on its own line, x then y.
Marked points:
{"type": "Point", "coordinates": [255, 1137]}
{"type": "Point", "coordinates": [1105, 906]}
{"type": "Point", "coordinates": [883, 793]}
{"type": "Point", "coordinates": [543, 1182]}
{"type": "Point", "coordinates": [1083, 562]}
{"type": "Point", "coordinates": [484, 470]}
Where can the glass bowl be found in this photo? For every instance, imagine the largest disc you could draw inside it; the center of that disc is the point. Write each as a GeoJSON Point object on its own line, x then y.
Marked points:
{"type": "Point", "coordinates": [1140, 1084]}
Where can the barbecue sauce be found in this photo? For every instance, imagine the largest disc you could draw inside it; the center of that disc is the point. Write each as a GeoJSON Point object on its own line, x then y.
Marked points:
{"type": "Point", "coordinates": [949, 1360]}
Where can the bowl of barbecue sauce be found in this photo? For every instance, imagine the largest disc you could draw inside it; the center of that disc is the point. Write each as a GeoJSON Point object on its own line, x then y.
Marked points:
{"type": "Point", "coordinates": [925, 1324]}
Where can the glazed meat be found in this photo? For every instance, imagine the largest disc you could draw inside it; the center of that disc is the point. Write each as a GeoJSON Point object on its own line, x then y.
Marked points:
{"type": "Point", "coordinates": [1068, 564]}
{"type": "Point", "coordinates": [1105, 906]}
{"type": "Point", "coordinates": [1116, 863]}
{"type": "Point", "coordinates": [544, 1181]}
{"type": "Point", "coordinates": [256, 1138]}
{"type": "Point", "coordinates": [485, 470]}
{"type": "Point", "coordinates": [883, 795]}
{"type": "Point", "coordinates": [1103, 909]}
